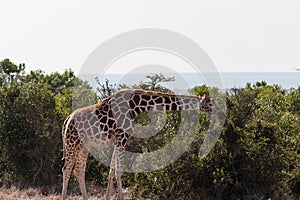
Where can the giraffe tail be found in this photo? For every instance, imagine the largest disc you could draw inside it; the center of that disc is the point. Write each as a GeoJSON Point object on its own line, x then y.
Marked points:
{"type": "Point", "coordinates": [64, 128]}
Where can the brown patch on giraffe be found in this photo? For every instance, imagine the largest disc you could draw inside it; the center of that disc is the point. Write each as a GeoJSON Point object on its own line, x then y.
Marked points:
{"type": "Point", "coordinates": [143, 109]}
{"type": "Point", "coordinates": [110, 122]}
{"type": "Point", "coordinates": [159, 100]}
{"type": "Point", "coordinates": [105, 128]}
{"type": "Point", "coordinates": [68, 136]}
{"type": "Point", "coordinates": [119, 143]}
{"type": "Point", "coordinates": [137, 111]}
{"type": "Point", "coordinates": [167, 107]}
{"type": "Point", "coordinates": [109, 135]}
{"type": "Point", "coordinates": [121, 135]}
{"type": "Point", "coordinates": [167, 100]}
{"type": "Point", "coordinates": [103, 119]}
{"type": "Point", "coordinates": [110, 114]}
{"type": "Point", "coordinates": [146, 97]}
{"type": "Point", "coordinates": [97, 112]}
{"type": "Point", "coordinates": [105, 107]}
{"type": "Point", "coordinates": [131, 104]}
{"type": "Point", "coordinates": [102, 112]}
{"type": "Point", "coordinates": [143, 103]}
{"type": "Point", "coordinates": [124, 141]}
{"type": "Point", "coordinates": [136, 99]}
{"type": "Point", "coordinates": [74, 137]}
{"type": "Point", "coordinates": [77, 143]}
{"type": "Point", "coordinates": [151, 102]}
{"type": "Point", "coordinates": [174, 106]}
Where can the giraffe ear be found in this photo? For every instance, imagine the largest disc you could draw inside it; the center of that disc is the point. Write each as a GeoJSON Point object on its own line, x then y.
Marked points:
{"type": "Point", "coordinates": [205, 94]}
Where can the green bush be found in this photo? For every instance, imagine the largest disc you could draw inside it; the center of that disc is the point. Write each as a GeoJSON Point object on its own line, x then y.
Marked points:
{"type": "Point", "coordinates": [256, 157]}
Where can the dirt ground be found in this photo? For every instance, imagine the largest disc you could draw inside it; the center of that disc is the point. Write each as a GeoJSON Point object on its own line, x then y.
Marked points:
{"type": "Point", "coordinates": [13, 193]}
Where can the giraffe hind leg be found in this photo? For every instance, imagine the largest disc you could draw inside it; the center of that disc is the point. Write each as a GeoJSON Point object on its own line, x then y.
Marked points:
{"type": "Point", "coordinates": [111, 177]}
{"type": "Point", "coordinates": [66, 170]}
{"type": "Point", "coordinates": [119, 159]}
{"type": "Point", "coordinates": [116, 169]}
{"type": "Point", "coordinates": [79, 171]}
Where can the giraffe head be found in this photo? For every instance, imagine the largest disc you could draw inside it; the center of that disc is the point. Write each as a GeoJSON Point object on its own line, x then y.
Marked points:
{"type": "Point", "coordinates": [206, 104]}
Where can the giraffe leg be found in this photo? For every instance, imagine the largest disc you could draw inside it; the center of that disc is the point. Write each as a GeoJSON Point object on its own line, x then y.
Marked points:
{"type": "Point", "coordinates": [119, 169]}
{"type": "Point", "coordinates": [111, 177]}
{"type": "Point", "coordinates": [79, 171]}
{"type": "Point", "coordinates": [66, 170]}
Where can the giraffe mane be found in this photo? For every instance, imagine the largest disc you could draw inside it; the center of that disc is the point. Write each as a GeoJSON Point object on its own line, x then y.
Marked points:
{"type": "Point", "coordinates": [151, 92]}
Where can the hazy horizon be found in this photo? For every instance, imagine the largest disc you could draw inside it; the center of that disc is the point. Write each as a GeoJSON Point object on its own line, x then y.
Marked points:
{"type": "Point", "coordinates": [238, 35]}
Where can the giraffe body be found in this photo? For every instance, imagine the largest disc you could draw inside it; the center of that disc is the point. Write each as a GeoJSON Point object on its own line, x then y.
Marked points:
{"type": "Point", "coordinates": [111, 122]}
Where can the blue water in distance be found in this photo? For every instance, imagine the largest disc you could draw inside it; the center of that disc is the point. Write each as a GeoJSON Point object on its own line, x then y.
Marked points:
{"type": "Point", "coordinates": [286, 80]}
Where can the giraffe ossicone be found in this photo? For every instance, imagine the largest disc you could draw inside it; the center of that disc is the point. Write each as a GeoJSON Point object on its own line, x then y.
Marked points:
{"type": "Point", "coordinates": [111, 123]}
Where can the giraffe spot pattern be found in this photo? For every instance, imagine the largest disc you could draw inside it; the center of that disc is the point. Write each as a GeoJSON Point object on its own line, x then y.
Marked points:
{"type": "Point", "coordinates": [111, 121]}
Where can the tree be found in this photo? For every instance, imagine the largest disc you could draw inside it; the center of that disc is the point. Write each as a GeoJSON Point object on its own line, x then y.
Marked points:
{"type": "Point", "coordinates": [154, 83]}
{"type": "Point", "coordinates": [9, 71]}
{"type": "Point", "coordinates": [33, 108]}
{"type": "Point", "coordinates": [105, 90]}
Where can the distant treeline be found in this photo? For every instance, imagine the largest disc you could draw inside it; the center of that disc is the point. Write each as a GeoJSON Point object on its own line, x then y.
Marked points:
{"type": "Point", "coordinates": [256, 157]}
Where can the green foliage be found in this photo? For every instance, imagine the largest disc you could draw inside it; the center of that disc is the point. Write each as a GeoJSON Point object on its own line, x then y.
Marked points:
{"type": "Point", "coordinates": [9, 71]}
{"type": "Point", "coordinates": [33, 108]}
{"type": "Point", "coordinates": [257, 152]}
{"type": "Point", "coordinates": [293, 100]}
{"type": "Point", "coordinates": [256, 157]}
{"type": "Point", "coordinates": [29, 125]}
{"type": "Point", "coordinates": [199, 90]}
{"type": "Point", "coordinates": [155, 83]}
{"type": "Point", "coordinates": [106, 89]}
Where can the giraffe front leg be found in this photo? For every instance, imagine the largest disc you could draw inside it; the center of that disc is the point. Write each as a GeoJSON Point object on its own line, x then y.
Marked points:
{"type": "Point", "coordinates": [111, 177]}
{"type": "Point", "coordinates": [119, 164]}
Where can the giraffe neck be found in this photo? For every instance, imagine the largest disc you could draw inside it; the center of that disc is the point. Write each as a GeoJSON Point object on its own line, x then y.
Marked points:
{"type": "Point", "coordinates": [150, 101]}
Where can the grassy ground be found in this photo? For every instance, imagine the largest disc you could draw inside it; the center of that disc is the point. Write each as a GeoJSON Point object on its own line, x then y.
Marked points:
{"type": "Point", "coordinates": [13, 193]}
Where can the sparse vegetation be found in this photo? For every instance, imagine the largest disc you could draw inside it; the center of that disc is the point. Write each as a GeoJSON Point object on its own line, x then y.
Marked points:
{"type": "Point", "coordinates": [13, 193]}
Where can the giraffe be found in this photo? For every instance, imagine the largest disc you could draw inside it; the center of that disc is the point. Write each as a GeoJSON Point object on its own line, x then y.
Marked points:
{"type": "Point", "coordinates": [110, 122]}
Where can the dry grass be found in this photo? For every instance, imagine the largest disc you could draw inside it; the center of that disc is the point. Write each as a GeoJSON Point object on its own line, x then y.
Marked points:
{"type": "Point", "coordinates": [14, 193]}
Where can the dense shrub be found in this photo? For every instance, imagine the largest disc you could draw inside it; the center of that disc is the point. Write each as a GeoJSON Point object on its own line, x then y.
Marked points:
{"type": "Point", "coordinates": [256, 157]}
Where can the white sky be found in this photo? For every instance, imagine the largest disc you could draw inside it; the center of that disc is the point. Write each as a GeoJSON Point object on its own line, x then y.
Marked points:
{"type": "Point", "coordinates": [238, 35]}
